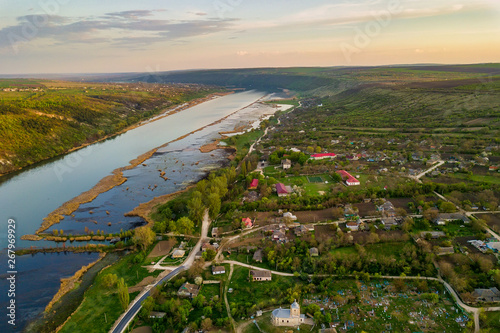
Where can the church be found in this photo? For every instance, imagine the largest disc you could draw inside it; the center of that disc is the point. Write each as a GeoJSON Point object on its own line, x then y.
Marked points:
{"type": "Point", "coordinates": [285, 317]}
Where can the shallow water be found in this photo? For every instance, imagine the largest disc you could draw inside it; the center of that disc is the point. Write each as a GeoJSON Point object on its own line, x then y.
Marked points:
{"type": "Point", "coordinates": [30, 195]}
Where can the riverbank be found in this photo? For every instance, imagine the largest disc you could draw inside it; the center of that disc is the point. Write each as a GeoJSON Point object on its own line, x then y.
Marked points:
{"type": "Point", "coordinates": [154, 112]}
{"type": "Point", "coordinates": [68, 284]}
{"type": "Point", "coordinates": [145, 209]}
{"type": "Point", "coordinates": [61, 310]}
{"type": "Point", "coordinates": [116, 178]}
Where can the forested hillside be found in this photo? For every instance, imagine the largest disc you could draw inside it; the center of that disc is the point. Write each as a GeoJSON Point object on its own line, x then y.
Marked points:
{"type": "Point", "coordinates": [40, 119]}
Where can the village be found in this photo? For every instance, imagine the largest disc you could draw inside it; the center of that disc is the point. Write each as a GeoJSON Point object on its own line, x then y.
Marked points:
{"type": "Point", "coordinates": [348, 241]}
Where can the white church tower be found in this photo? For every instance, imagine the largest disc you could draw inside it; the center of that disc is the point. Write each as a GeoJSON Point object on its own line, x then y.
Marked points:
{"type": "Point", "coordinates": [295, 310]}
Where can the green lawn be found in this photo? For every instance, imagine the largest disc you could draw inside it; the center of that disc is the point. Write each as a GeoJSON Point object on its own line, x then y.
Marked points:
{"type": "Point", "coordinates": [491, 323]}
{"type": "Point", "coordinates": [310, 188]}
{"type": "Point", "coordinates": [492, 179]}
{"type": "Point", "coordinates": [101, 306]}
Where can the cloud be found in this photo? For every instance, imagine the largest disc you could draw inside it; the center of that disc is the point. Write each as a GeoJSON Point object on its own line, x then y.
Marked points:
{"type": "Point", "coordinates": [132, 14]}
{"type": "Point", "coordinates": [242, 53]}
{"type": "Point", "coordinates": [135, 24]}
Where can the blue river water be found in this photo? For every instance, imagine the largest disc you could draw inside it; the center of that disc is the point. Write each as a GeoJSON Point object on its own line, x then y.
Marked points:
{"type": "Point", "coordinates": [28, 196]}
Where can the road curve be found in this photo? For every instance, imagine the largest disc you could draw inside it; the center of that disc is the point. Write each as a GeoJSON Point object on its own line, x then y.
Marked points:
{"type": "Point", "coordinates": [122, 322]}
{"type": "Point", "coordinates": [136, 306]}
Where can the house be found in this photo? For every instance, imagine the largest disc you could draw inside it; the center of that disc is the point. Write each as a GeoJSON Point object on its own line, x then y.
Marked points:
{"type": "Point", "coordinates": [387, 209]}
{"type": "Point", "coordinates": [155, 314]}
{"type": "Point", "coordinates": [257, 256]}
{"type": "Point", "coordinates": [178, 254]}
{"type": "Point", "coordinates": [257, 275]}
{"type": "Point", "coordinates": [313, 252]}
{"type": "Point", "coordinates": [310, 227]}
{"type": "Point", "coordinates": [445, 250]}
{"type": "Point", "coordinates": [247, 222]}
{"type": "Point", "coordinates": [286, 164]}
{"type": "Point", "coordinates": [215, 232]}
{"type": "Point", "coordinates": [281, 190]}
{"type": "Point", "coordinates": [254, 184]}
{"type": "Point", "coordinates": [349, 211]}
{"type": "Point", "coordinates": [300, 230]}
{"type": "Point", "coordinates": [207, 246]}
{"type": "Point", "coordinates": [323, 156]}
{"type": "Point", "coordinates": [198, 255]}
{"type": "Point", "coordinates": [279, 235]}
{"type": "Point", "coordinates": [389, 222]}
{"type": "Point", "coordinates": [486, 295]}
{"type": "Point", "coordinates": [441, 219]}
{"type": "Point", "coordinates": [348, 178]}
{"type": "Point", "coordinates": [285, 317]}
{"type": "Point", "coordinates": [353, 226]}
{"type": "Point", "coordinates": [251, 196]}
{"type": "Point", "coordinates": [188, 290]}
{"type": "Point", "coordinates": [218, 270]}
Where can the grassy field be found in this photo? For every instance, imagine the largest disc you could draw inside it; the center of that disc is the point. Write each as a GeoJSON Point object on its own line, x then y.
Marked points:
{"type": "Point", "coordinates": [493, 178]}
{"type": "Point", "coordinates": [101, 306]}
{"type": "Point", "coordinates": [490, 322]}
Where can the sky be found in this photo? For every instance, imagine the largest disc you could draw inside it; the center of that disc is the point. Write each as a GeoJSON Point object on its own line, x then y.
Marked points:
{"type": "Point", "coordinates": [106, 36]}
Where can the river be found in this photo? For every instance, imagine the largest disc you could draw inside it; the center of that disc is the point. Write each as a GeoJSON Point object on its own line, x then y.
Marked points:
{"type": "Point", "coordinates": [28, 196]}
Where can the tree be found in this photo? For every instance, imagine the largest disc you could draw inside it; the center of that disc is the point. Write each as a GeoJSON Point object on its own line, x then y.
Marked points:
{"type": "Point", "coordinates": [318, 149]}
{"type": "Point", "coordinates": [207, 311]}
{"type": "Point", "coordinates": [206, 324]}
{"type": "Point", "coordinates": [198, 301]}
{"type": "Point", "coordinates": [109, 280]}
{"type": "Point", "coordinates": [198, 280]}
{"type": "Point", "coordinates": [209, 255]}
{"type": "Point", "coordinates": [183, 226]}
{"type": "Point", "coordinates": [143, 237]}
{"type": "Point", "coordinates": [318, 317]}
{"type": "Point", "coordinates": [447, 207]}
{"type": "Point", "coordinates": [123, 295]}
{"type": "Point", "coordinates": [244, 168]}
{"type": "Point", "coordinates": [147, 307]}
{"type": "Point", "coordinates": [196, 209]}
{"type": "Point", "coordinates": [214, 203]}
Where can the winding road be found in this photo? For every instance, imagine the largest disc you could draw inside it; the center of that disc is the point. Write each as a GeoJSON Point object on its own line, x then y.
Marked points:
{"type": "Point", "coordinates": [132, 310]}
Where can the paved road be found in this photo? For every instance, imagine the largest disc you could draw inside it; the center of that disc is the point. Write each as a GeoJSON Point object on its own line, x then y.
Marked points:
{"type": "Point", "coordinates": [420, 175]}
{"type": "Point", "coordinates": [125, 319]}
{"type": "Point", "coordinates": [137, 304]}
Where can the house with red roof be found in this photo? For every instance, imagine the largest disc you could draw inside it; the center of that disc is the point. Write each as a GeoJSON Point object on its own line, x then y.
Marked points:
{"type": "Point", "coordinates": [281, 190]}
{"type": "Point", "coordinates": [323, 156]}
{"type": "Point", "coordinates": [253, 184]}
{"type": "Point", "coordinates": [247, 222]}
{"type": "Point", "coordinates": [348, 178]}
